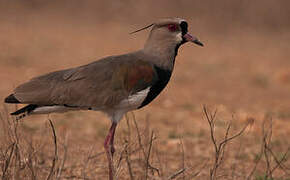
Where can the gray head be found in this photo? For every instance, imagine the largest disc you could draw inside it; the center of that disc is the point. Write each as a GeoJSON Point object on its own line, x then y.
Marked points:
{"type": "Point", "coordinates": [173, 30]}
{"type": "Point", "coordinates": [169, 32]}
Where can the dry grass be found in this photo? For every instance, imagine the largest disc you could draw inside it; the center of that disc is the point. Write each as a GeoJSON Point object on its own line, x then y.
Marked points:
{"type": "Point", "coordinates": [25, 155]}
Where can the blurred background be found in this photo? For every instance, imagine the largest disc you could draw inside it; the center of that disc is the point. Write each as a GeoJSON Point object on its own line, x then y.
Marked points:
{"type": "Point", "coordinates": [244, 68]}
{"type": "Point", "coordinates": [244, 63]}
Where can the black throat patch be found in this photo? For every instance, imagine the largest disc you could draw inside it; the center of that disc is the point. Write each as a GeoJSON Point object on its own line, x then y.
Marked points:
{"type": "Point", "coordinates": [184, 30]}
{"type": "Point", "coordinates": [163, 78]}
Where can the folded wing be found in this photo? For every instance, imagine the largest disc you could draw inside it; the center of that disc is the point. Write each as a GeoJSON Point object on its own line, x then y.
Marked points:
{"type": "Point", "coordinates": [100, 84]}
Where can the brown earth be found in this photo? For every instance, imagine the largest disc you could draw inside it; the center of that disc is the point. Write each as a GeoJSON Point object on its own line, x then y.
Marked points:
{"type": "Point", "coordinates": [243, 71]}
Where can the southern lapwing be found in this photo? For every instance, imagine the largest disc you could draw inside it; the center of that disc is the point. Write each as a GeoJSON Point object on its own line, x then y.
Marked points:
{"type": "Point", "coordinates": [113, 85]}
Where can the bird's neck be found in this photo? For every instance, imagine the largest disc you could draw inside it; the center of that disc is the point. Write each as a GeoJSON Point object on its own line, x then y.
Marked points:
{"type": "Point", "coordinates": [166, 54]}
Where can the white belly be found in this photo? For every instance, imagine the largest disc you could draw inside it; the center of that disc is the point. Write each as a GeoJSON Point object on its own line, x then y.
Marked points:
{"type": "Point", "coordinates": [52, 109]}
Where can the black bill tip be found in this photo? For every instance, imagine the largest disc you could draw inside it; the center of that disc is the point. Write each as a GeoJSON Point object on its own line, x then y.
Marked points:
{"type": "Point", "coordinates": [198, 42]}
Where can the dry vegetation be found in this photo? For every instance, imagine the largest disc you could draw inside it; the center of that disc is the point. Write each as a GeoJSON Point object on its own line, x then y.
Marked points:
{"type": "Point", "coordinates": [242, 74]}
{"type": "Point", "coordinates": [139, 156]}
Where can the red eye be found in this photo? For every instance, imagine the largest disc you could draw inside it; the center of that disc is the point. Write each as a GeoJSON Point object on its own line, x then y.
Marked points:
{"type": "Point", "coordinates": [172, 27]}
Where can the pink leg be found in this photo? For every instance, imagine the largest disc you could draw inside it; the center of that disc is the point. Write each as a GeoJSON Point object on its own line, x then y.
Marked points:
{"type": "Point", "coordinates": [109, 148]}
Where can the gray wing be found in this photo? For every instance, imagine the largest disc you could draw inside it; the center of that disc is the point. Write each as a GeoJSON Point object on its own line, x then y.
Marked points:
{"type": "Point", "coordinates": [101, 84]}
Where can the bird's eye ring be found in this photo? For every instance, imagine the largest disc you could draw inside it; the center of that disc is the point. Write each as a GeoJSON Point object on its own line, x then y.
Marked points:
{"type": "Point", "coordinates": [172, 27]}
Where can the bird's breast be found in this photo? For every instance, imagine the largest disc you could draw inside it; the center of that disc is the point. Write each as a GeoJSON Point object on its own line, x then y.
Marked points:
{"type": "Point", "coordinates": [163, 79]}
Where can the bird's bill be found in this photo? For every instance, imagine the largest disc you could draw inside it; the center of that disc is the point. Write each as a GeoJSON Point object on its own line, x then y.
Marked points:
{"type": "Point", "coordinates": [190, 38]}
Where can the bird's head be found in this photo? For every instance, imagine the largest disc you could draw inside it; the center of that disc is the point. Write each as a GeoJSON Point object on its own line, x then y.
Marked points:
{"type": "Point", "coordinates": [169, 32]}
{"type": "Point", "coordinates": [173, 30]}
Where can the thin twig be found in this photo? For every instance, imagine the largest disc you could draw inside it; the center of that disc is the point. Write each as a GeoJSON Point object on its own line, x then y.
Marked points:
{"type": "Point", "coordinates": [211, 123]}
{"type": "Point", "coordinates": [219, 147]}
{"type": "Point", "coordinates": [128, 160]}
{"type": "Point", "coordinates": [266, 141]}
{"type": "Point", "coordinates": [138, 135]}
{"type": "Point", "coordinates": [128, 149]}
{"type": "Point", "coordinates": [160, 170]}
{"type": "Point", "coordinates": [199, 171]}
{"type": "Point", "coordinates": [236, 135]}
{"type": "Point", "coordinates": [96, 155]}
{"type": "Point", "coordinates": [148, 155]}
{"type": "Point", "coordinates": [141, 147]}
{"type": "Point", "coordinates": [64, 158]}
{"type": "Point", "coordinates": [118, 166]}
{"type": "Point", "coordinates": [55, 151]}
{"type": "Point", "coordinates": [177, 173]}
{"type": "Point", "coordinates": [86, 162]}
{"type": "Point", "coordinates": [182, 157]}
{"type": "Point", "coordinates": [278, 162]}
{"type": "Point", "coordinates": [256, 162]}
{"type": "Point", "coordinates": [30, 166]}
{"type": "Point", "coordinates": [7, 161]}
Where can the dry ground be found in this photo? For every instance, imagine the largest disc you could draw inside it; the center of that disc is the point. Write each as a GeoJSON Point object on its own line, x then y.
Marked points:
{"type": "Point", "coordinates": [243, 71]}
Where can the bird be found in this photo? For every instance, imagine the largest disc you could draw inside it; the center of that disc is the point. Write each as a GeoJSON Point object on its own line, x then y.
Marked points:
{"type": "Point", "coordinates": [114, 85]}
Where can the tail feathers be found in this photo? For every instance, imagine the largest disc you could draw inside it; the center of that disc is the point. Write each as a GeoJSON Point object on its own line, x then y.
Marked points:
{"type": "Point", "coordinates": [26, 109]}
{"type": "Point", "coordinates": [21, 113]}
{"type": "Point", "coordinates": [11, 99]}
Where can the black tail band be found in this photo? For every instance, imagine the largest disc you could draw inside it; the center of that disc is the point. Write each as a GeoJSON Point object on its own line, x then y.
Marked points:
{"type": "Point", "coordinates": [27, 109]}
{"type": "Point", "coordinates": [11, 99]}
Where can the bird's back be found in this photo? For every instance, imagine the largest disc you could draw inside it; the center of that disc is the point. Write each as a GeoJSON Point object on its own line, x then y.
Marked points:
{"type": "Point", "coordinates": [100, 84]}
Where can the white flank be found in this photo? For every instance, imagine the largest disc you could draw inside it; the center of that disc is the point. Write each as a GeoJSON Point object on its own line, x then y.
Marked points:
{"type": "Point", "coordinates": [51, 109]}
{"type": "Point", "coordinates": [135, 100]}
{"type": "Point", "coordinates": [131, 103]}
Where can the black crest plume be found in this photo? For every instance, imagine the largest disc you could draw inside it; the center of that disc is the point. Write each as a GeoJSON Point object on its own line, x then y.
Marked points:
{"type": "Point", "coordinates": [141, 29]}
